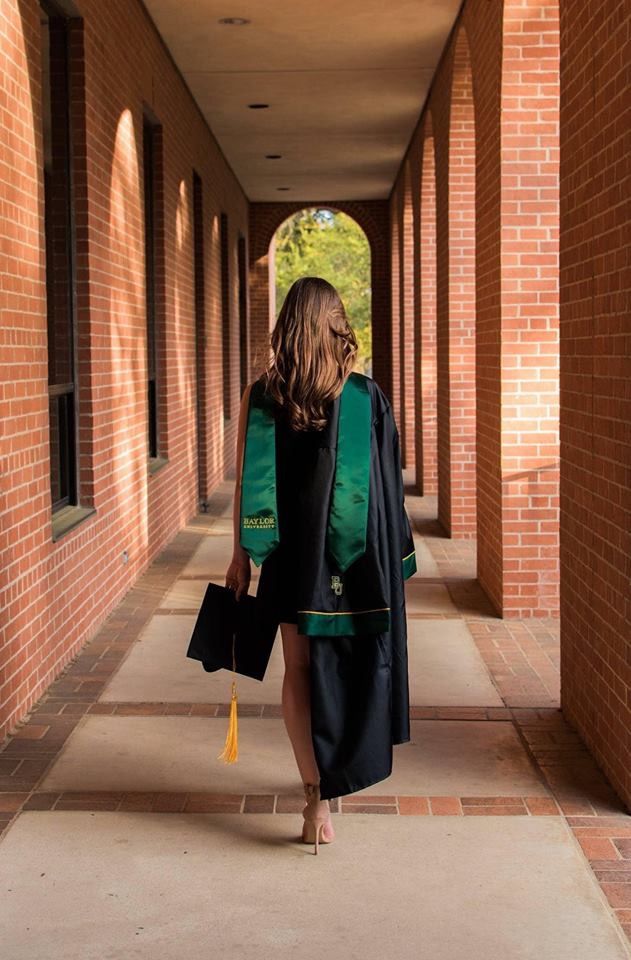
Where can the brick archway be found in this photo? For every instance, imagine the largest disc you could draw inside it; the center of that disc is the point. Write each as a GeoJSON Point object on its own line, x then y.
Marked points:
{"type": "Point", "coordinates": [372, 217]}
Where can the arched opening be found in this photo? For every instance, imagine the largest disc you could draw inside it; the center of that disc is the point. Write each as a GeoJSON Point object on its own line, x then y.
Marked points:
{"type": "Point", "coordinates": [328, 243]}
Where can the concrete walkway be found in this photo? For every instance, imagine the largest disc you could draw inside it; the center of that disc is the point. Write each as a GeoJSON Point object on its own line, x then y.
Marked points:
{"type": "Point", "coordinates": [125, 836]}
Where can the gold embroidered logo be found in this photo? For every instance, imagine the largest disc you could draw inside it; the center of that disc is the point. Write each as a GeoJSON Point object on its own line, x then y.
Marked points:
{"type": "Point", "coordinates": [265, 523]}
{"type": "Point", "coordinates": [336, 585]}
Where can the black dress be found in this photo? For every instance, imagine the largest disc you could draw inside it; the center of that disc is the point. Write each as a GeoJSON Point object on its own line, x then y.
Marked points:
{"type": "Point", "coordinates": [297, 454]}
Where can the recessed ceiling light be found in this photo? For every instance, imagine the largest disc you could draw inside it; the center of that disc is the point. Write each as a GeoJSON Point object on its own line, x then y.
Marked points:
{"type": "Point", "coordinates": [258, 106]}
{"type": "Point", "coordinates": [234, 21]}
{"type": "Point", "coordinates": [273, 156]}
{"type": "Point", "coordinates": [283, 188]}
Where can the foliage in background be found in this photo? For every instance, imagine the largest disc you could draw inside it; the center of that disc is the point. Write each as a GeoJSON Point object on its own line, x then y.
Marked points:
{"type": "Point", "coordinates": [317, 242]}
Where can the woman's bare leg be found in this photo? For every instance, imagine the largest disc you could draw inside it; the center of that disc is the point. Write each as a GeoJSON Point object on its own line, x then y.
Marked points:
{"type": "Point", "coordinates": [296, 700]}
{"type": "Point", "coordinates": [296, 703]}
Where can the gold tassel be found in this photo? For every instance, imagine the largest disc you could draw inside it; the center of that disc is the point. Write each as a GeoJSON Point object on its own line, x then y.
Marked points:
{"type": "Point", "coordinates": [230, 752]}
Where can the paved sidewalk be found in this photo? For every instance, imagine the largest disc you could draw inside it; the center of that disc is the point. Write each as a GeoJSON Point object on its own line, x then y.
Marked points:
{"type": "Point", "coordinates": [123, 835]}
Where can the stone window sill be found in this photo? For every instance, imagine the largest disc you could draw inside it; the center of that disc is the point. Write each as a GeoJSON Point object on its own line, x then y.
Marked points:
{"type": "Point", "coordinates": [156, 463]}
{"type": "Point", "coordinates": [67, 518]}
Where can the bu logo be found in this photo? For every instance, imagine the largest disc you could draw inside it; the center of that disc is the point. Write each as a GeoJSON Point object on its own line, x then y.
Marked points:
{"type": "Point", "coordinates": [336, 585]}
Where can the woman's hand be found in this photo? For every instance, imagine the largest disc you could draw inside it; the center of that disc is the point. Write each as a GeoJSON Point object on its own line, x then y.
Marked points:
{"type": "Point", "coordinates": [239, 574]}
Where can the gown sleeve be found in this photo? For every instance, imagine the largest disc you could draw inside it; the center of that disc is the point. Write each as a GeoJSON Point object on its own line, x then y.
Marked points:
{"type": "Point", "coordinates": [390, 455]}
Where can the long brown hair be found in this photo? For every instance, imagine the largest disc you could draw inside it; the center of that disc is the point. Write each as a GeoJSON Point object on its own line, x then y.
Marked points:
{"type": "Point", "coordinates": [312, 351]}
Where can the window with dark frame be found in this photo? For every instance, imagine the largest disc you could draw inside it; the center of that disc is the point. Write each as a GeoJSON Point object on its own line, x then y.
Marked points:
{"type": "Point", "coordinates": [225, 316]}
{"type": "Point", "coordinates": [59, 254]}
{"type": "Point", "coordinates": [243, 313]}
{"type": "Point", "coordinates": [149, 173]}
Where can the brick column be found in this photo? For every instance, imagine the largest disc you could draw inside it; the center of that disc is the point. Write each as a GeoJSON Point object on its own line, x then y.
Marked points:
{"type": "Point", "coordinates": [395, 335]}
{"type": "Point", "coordinates": [407, 321]}
{"type": "Point", "coordinates": [455, 290]}
{"type": "Point", "coordinates": [516, 119]}
{"type": "Point", "coordinates": [529, 308]}
{"type": "Point", "coordinates": [462, 429]}
{"type": "Point", "coordinates": [415, 161]}
{"type": "Point", "coordinates": [427, 453]}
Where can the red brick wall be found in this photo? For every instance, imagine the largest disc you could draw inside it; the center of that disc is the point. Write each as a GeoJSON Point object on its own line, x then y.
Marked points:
{"type": "Point", "coordinates": [372, 217]}
{"type": "Point", "coordinates": [54, 595]}
{"type": "Point", "coordinates": [595, 377]}
{"type": "Point", "coordinates": [514, 64]}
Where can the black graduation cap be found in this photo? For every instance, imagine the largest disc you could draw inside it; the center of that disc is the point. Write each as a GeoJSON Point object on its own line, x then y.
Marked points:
{"type": "Point", "coordinates": [235, 635]}
{"type": "Point", "coordinates": [227, 628]}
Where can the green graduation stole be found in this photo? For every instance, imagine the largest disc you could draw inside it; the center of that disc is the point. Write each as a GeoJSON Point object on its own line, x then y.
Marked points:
{"type": "Point", "coordinates": [348, 511]}
{"type": "Point", "coordinates": [258, 522]}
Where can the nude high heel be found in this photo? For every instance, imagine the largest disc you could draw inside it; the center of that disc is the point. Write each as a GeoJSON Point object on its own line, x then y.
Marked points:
{"type": "Point", "coordinates": [316, 815]}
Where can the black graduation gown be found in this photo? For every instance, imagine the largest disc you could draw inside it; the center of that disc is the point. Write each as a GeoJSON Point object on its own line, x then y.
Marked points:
{"type": "Point", "coordinates": [359, 679]}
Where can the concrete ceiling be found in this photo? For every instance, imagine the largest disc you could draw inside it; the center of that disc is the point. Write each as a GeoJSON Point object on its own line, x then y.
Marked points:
{"type": "Point", "coordinates": [345, 81]}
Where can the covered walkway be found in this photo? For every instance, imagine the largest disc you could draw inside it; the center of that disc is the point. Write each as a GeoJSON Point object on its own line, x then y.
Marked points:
{"type": "Point", "coordinates": [496, 835]}
{"type": "Point", "coordinates": [149, 152]}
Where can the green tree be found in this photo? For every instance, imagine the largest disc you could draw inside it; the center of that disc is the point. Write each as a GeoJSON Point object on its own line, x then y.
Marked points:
{"type": "Point", "coordinates": [318, 242]}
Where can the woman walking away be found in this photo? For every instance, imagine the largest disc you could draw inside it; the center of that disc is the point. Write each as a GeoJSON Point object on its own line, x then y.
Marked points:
{"type": "Point", "coordinates": [319, 507]}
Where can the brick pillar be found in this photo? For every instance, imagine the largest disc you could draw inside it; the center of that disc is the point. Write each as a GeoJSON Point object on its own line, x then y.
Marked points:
{"type": "Point", "coordinates": [426, 451]}
{"type": "Point", "coordinates": [483, 23]}
{"type": "Point", "coordinates": [416, 157]}
{"type": "Point", "coordinates": [395, 341]}
{"type": "Point", "coordinates": [514, 50]}
{"type": "Point", "coordinates": [462, 430]}
{"type": "Point", "coordinates": [529, 308]}
{"type": "Point", "coordinates": [455, 288]}
{"type": "Point", "coordinates": [407, 321]}
{"type": "Point", "coordinates": [261, 269]}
